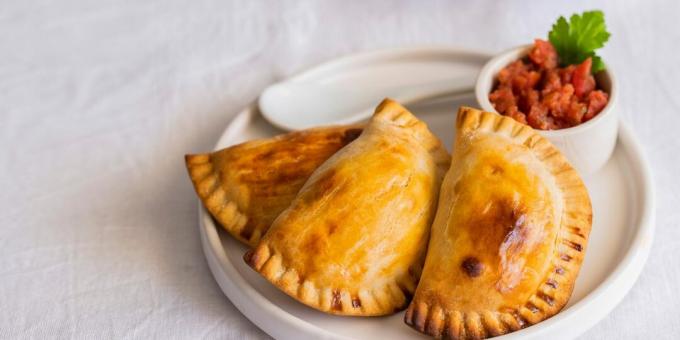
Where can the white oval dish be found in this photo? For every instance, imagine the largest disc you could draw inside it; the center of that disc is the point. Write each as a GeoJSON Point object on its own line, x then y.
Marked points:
{"type": "Point", "coordinates": [587, 146]}
{"type": "Point", "coordinates": [623, 223]}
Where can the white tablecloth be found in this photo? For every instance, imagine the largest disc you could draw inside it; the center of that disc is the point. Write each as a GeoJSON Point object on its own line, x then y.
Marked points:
{"type": "Point", "coordinates": [100, 100]}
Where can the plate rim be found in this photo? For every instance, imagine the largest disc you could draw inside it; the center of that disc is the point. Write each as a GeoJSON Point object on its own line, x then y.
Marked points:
{"type": "Point", "coordinates": [612, 290]}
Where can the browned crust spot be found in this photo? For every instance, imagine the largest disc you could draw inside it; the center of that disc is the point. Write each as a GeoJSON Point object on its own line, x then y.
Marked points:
{"type": "Point", "coordinates": [350, 135]}
{"type": "Point", "coordinates": [576, 224]}
{"type": "Point", "coordinates": [532, 307]}
{"type": "Point", "coordinates": [573, 245]}
{"type": "Point", "coordinates": [552, 283]}
{"type": "Point", "coordinates": [356, 302]}
{"type": "Point", "coordinates": [472, 267]}
{"type": "Point", "coordinates": [576, 231]}
{"type": "Point", "coordinates": [545, 297]}
{"type": "Point", "coordinates": [247, 231]}
{"type": "Point", "coordinates": [408, 295]}
{"type": "Point", "coordinates": [336, 302]}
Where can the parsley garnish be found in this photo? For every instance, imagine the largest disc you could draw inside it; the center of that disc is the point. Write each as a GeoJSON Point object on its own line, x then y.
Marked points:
{"type": "Point", "coordinates": [578, 39]}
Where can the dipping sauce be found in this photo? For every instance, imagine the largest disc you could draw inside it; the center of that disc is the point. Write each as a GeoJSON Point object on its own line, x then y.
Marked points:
{"type": "Point", "coordinates": [536, 91]}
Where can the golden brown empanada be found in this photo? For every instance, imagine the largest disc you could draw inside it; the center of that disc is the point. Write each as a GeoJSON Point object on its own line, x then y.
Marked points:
{"type": "Point", "coordinates": [246, 186]}
{"type": "Point", "coordinates": [353, 241]}
{"type": "Point", "coordinates": [509, 236]}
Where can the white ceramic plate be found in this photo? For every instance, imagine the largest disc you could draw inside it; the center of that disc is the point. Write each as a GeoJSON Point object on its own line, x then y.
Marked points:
{"type": "Point", "coordinates": [621, 192]}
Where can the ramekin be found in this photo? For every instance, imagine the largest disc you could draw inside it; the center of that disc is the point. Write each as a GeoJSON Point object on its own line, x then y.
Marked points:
{"type": "Point", "coordinates": [587, 146]}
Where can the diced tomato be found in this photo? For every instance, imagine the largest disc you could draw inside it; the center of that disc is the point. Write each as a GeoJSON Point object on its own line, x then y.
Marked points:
{"type": "Point", "coordinates": [503, 99]}
{"type": "Point", "coordinates": [506, 75]}
{"type": "Point", "coordinates": [582, 80]}
{"type": "Point", "coordinates": [535, 91]}
{"type": "Point", "coordinates": [525, 80]}
{"type": "Point", "coordinates": [597, 100]}
{"type": "Point", "coordinates": [551, 82]}
{"type": "Point", "coordinates": [558, 101]}
{"type": "Point", "coordinates": [589, 85]}
{"type": "Point", "coordinates": [528, 99]}
{"type": "Point", "coordinates": [537, 117]}
{"type": "Point", "coordinates": [518, 76]}
{"type": "Point", "coordinates": [566, 73]}
{"type": "Point", "coordinates": [515, 114]}
{"type": "Point", "coordinates": [543, 54]}
{"type": "Point", "coordinates": [575, 112]}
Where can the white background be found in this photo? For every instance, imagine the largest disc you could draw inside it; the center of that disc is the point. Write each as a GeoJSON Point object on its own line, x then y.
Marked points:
{"type": "Point", "coordinates": [100, 100]}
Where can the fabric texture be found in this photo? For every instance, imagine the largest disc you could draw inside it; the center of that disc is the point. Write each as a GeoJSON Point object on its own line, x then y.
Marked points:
{"type": "Point", "coordinates": [100, 100]}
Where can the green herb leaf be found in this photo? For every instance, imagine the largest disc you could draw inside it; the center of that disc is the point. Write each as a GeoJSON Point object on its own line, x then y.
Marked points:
{"type": "Point", "coordinates": [598, 65]}
{"type": "Point", "coordinates": [578, 39]}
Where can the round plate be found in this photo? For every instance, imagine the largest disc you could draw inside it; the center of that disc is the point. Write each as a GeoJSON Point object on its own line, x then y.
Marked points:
{"type": "Point", "coordinates": [621, 193]}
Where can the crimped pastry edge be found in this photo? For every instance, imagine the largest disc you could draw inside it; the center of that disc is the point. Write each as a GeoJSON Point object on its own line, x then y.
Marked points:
{"type": "Point", "coordinates": [385, 299]}
{"type": "Point", "coordinates": [206, 181]}
{"type": "Point", "coordinates": [555, 290]}
{"type": "Point", "coordinates": [397, 114]}
{"type": "Point", "coordinates": [388, 298]}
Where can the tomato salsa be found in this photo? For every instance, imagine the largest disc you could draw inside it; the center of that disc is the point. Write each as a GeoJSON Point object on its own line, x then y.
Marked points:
{"type": "Point", "coordinates": [536, 91]}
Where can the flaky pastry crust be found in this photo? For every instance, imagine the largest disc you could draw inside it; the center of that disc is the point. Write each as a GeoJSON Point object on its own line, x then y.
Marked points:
{"type": "Point", "coordinates": [509, 237]}
{"type": "Point", "coordinates": [353, 240]}
{"type": "Point", "coordinates": [246, 186]}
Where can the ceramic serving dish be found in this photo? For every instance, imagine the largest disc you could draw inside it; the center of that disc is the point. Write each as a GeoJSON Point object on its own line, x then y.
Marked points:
{"type": "Point", "coordinates": [587, 146]}
{"type": "Point", "coordinates": [621, 192]}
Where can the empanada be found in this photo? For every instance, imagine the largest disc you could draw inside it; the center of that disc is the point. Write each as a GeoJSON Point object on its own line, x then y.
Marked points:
{"type": "Point", "coordinates": [245, 186]}
{"type": "Point", "coordinates": [509, 236]}
{"type": "Point", "coordinates": [353, 240]}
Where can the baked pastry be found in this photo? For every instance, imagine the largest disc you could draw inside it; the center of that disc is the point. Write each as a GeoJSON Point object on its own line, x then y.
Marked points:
{"type": "Point", "coordinates": [245, 186]}
{"type": "Point", "coordinates": [353, 240]}
{"type": "Point", "coordinates": [509, 236]}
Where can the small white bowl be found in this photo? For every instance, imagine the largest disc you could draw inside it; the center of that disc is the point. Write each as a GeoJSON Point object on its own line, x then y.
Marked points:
{"type": "Point", "coordinates": [587, 146]}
